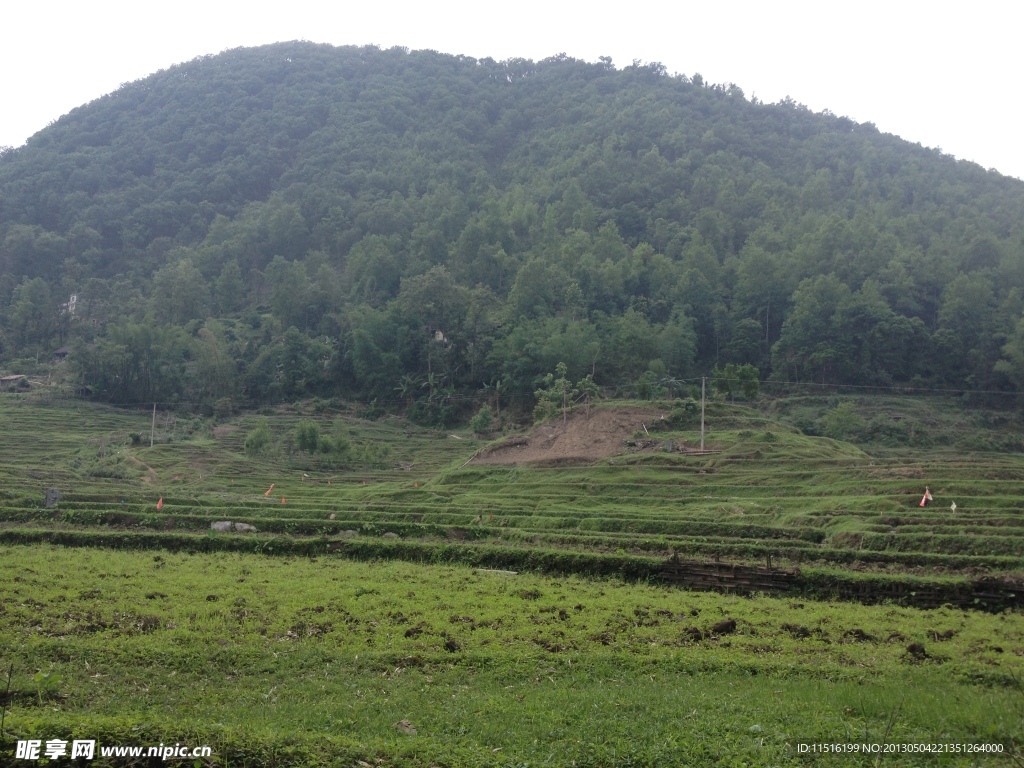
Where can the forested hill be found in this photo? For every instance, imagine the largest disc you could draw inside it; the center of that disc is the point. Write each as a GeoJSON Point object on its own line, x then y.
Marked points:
{"type": "Point", "coordinates": [300, 219]}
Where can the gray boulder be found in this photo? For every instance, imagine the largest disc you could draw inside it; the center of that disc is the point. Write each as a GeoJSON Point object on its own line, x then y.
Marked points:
{"type": "Point", "coordinates": [227, 525]}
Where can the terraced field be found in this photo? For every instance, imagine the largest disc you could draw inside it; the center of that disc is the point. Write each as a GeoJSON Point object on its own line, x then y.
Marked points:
{"type": "Point", "coordinates": [824, 518]}
{"type": "Point", "coordinates": [771, 492]}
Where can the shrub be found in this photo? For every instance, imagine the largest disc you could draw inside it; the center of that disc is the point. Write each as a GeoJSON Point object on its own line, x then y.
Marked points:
{"type": "Point", "coordinates": [841, 422]}
{"type": "Point", "coordinates": [340, 438]}
{"type": "Point", "coordinates": [685, 414]}
{"type": "Point", "coordinates": [307, 436]}
{"type": "Point", "coordinates": [222, 408]}
{"type": "Point", "coordinates": [898, 432]}
{"type": "Point", "coordinates": [258, 440]}
{"type": "Point", "coordinates": [481, 423]}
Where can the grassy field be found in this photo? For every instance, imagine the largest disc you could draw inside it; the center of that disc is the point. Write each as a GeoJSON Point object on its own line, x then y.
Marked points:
{"type": "Point", "coordinates": [254, 654]}
{"type": "Point", "coordinates": [311, 643]}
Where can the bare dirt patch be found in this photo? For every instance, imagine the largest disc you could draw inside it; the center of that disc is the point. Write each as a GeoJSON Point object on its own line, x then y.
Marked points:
{"type": "Point", "coordinates": [579, 440]}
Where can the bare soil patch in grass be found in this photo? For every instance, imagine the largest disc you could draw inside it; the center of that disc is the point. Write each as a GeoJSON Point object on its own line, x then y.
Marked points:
{"type": "Point", "coordinates": [580, 439]}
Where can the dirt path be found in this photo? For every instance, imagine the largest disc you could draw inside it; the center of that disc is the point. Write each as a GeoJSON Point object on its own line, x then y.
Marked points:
{"type": "Point", "coordinates": [151, 475]}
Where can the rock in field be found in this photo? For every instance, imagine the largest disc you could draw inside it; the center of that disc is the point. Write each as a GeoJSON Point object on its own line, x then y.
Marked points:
{"type": "Point", "coordinates": [227, 525]}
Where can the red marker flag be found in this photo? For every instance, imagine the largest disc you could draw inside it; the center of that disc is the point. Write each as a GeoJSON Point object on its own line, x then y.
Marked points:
{"type": "Point", "coordinates": [160, 504]}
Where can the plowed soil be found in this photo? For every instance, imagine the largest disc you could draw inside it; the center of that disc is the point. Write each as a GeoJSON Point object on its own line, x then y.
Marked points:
{"type": "Point", "coordinates": [581, 439]}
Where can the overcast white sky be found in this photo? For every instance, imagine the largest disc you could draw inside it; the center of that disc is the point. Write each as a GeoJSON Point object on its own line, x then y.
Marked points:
{"type": "Point", "coordinates": [936, 73]}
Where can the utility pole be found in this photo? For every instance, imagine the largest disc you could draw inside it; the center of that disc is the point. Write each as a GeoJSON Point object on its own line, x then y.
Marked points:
{"type": "Point", "coordinates": [152, 427]}
{"type": "Point", "coordinates": [702, 380]}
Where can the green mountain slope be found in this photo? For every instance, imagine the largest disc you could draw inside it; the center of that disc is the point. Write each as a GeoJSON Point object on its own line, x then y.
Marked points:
{"type": "Point", "coordinates": [300, 219]}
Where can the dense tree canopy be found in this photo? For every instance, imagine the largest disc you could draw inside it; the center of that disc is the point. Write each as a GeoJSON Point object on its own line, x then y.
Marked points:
{"type": "Point", "coordinates": [300, 219]}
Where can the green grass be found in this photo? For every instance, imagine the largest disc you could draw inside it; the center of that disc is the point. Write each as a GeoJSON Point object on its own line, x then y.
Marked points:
{"type": "Point", "coordinates": [243, 649]}
{"type": "Point", "coordinates": [303, 658]}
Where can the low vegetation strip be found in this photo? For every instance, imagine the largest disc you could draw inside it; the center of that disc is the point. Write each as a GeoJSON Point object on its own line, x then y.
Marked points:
{"type": "Point", "coordinates": [983, 594]}
{"type": "Point", "coordinates": [545, 561]}
{"type": "Point", "coordinates": [425, 524]}
{"type": "Point", "coordinates": [743, 551]}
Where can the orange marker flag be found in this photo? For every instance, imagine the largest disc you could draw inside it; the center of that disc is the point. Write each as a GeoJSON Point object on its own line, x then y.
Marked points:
{"type": "Point", "coordinates": [160, 504]}
{"type": "Point", "coordinates": [269, 490]}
